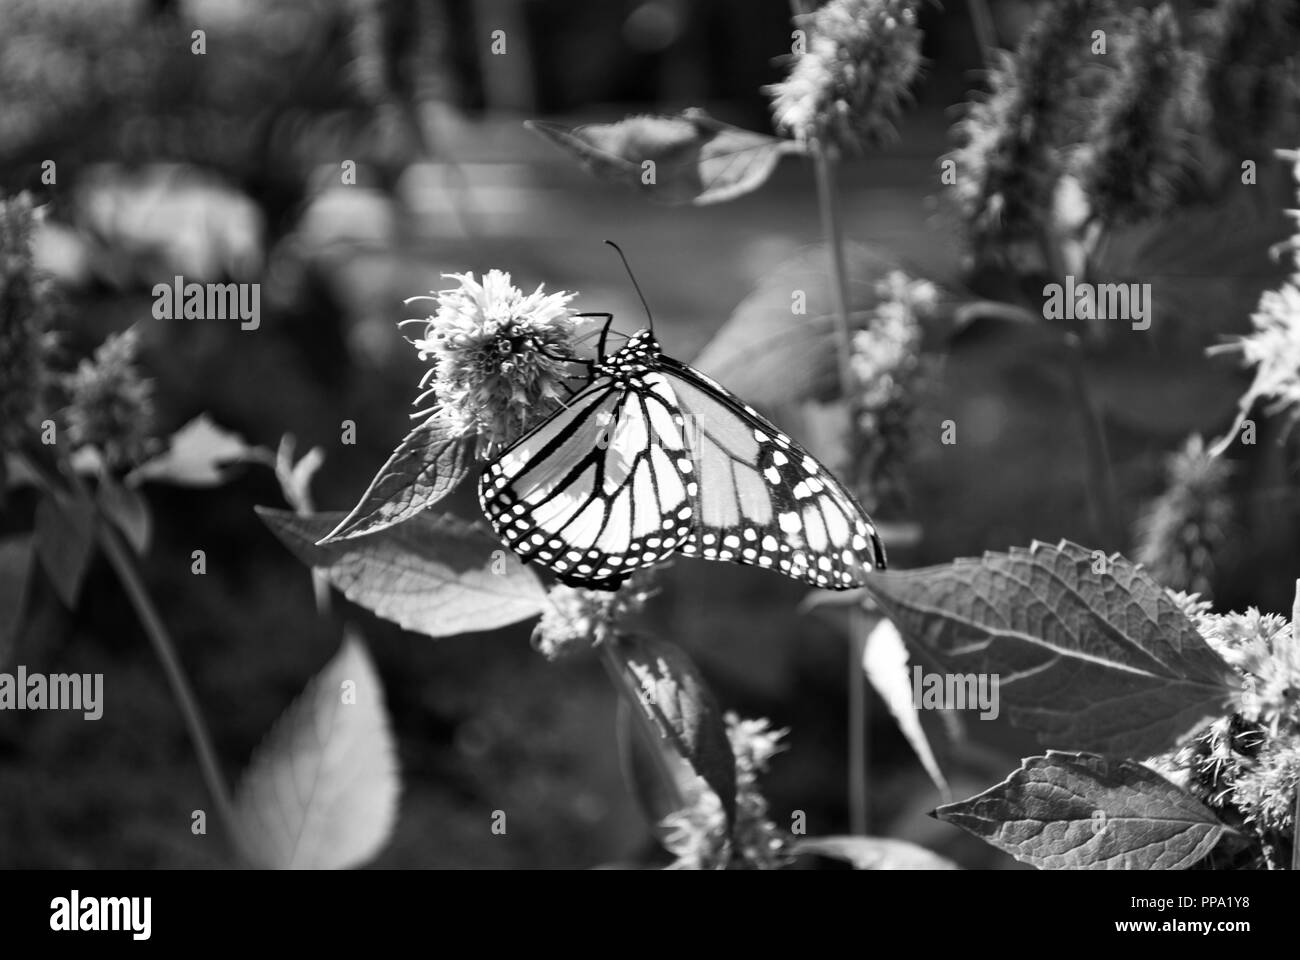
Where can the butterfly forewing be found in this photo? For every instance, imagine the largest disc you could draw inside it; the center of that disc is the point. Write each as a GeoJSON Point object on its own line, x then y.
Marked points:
{"type": "Point", "coordinates": [653, 458]}
{"type": "Point", "coordinates": [594, 493]}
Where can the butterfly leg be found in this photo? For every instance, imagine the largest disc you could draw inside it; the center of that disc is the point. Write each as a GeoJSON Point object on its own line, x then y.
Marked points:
{"type": "Point", "coordinates": [604, 331]}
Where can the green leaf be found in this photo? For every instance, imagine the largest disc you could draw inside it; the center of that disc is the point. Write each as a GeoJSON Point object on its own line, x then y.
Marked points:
{"type": "Point", "coordinates": [778, 347]}
{"type": "Point", "coordinates": [1082, 811]}
{"type": "Point", "coordinates": [321, 791]}
{"type": "Point", "coordinates": [128, 511]}
{"type": "Point", "coordinates": [426, 466]}
{"type": "Point", "coordinates": [65, 539]}
{"type": "Point", "coordinates": [675, 697]}
{"type": "Point", "coordinates": [15, 573]}
{"type": "Point", "coordinates": [1100, 661]}
{"type": "Point", "coordinates": [695, 158]}
{"type": "Point", "coordinates": [884, 659]}
{"type": "Point", "coordinates": [437, 575]}
{"type": "Point", "coordinates": [196, 454]}
{"type": "Point", "coordinates": [874, 853]}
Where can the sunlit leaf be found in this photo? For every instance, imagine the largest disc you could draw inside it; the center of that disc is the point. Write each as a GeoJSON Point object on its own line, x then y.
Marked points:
{"type": "Point", "coordinates": [426, 466]}
{"type": "Point", "coordinates": [885, 661]}
{"type": "Point", "coordinates": [1081, 811]}
{"type": "Point", "coordinates": [195, 456]}
{"type": "Point", "coordinates": [321, 791]}
{"type": "Point", "coordinates": [437, 575]}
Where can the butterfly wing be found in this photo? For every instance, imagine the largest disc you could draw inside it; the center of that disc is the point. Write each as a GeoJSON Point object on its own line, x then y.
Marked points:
{"type": "Point", "coordinates": [762, 499]}
{"type": "Point", "coordinates": [663, 459]}
{"type": "Point", "coordinates": [594, 493]}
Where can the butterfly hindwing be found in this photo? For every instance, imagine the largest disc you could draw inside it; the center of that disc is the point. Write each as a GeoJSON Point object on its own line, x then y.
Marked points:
{"type": "Point", "coordinates": [653, 458]}
{"type": "Point", "coordinates": [763, 499]}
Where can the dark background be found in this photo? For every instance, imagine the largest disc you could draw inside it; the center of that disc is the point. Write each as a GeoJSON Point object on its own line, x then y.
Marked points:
{"type": "Point", "coordinates": [225, 166]}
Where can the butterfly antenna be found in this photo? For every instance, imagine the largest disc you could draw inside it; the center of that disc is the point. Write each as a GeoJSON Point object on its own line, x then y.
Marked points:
{"type": "Point", "coordinates": [635, 286]}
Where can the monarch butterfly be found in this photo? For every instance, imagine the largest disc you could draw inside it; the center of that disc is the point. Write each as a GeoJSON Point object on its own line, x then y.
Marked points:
{"type": "Point", "coordinates": [652, 458]}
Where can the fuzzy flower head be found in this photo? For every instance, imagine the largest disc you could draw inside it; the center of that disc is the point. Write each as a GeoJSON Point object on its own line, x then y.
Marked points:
{"type": "Point", "coordinates": [498, 355]}
{"type": "Point", "coordinates": [696, 835]}
{"type": "Point", "coordinates": [110, 406]}
{"type": "Point", "coordinates": [1246, 765]}
{"type": "Point", "coordinates": [854, 66]}
{"type": "Point", "coordinates": [577, 618]}
{"type": "Point", "coordinates": [1263, 649]}
{"type": "Point", "coordinates": [25, 315]}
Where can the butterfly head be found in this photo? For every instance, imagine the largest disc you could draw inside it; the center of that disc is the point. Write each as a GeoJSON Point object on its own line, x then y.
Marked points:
{"type": "Point", "coordinates": [636, 357]}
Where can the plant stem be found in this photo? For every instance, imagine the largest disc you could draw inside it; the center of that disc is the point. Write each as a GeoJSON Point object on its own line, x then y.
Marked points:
{"type": "Point", "coordinates": [982, 22]}
{"type": "Point", "coordinates": [859, 717]}
{"type": "Point", "coordinates": [1100, 488]}
{"type": "Point", "coordinates": [1295, 833]}
{"type": "Point", "coordinates": [827, 202]}
{"type": "Point", "coordinates": [119, 557]}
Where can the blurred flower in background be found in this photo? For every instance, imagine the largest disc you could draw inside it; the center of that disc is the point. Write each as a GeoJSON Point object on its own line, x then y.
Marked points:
{"type": "Point", "coordinates": [890, 369]}
{"type": "Point", "coordinates": [110, 406]}
{"type": "Point", "coordinates": [845, 86]}
{"type": "Point", "coordinates": [1010, 156]}
{"type": "Point", "coordinates": [1138, 151]}
{"type": "Point", "coordinates": [1184, 531]}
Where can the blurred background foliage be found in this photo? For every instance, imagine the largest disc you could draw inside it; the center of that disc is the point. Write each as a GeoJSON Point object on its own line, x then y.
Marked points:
{"type": "Point", "coordinates": [228, 165]}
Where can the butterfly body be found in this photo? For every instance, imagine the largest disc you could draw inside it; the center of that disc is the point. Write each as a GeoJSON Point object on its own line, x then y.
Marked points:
{"type": "Point", "coordinates": [652, 458]}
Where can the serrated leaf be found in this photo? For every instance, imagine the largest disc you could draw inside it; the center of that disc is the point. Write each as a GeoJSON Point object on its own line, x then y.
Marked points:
{"type": "Point", "coordinates": [696, 159]}
{"type": "Point", "coordinates": [1082, 811]}
{"type": "Point", "coordinates": [321, 791]}
{"type": "Point", "coordinates": [874, 853]}
{"type": "Point", "coordinates": [437, 575]}
{"type": "Point", "coordinates": [675, 697]}
{"type": "Point", "coordinates": [128, 511]}
{"type": "Point", "coordinates": [1091, 661]}
{"type": "Point", "coordinates": [65, 540]}
{"type": "Point", "coordinates": [426, 466]}
{"type": "Point", "coordinates": [885, 661]}
{"type": "Point", "coordinates": [778, 347]}
{"type": "Point", "coordinates": [194, 458]}
{"type": "Point", "coordinates": [15, 573]}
